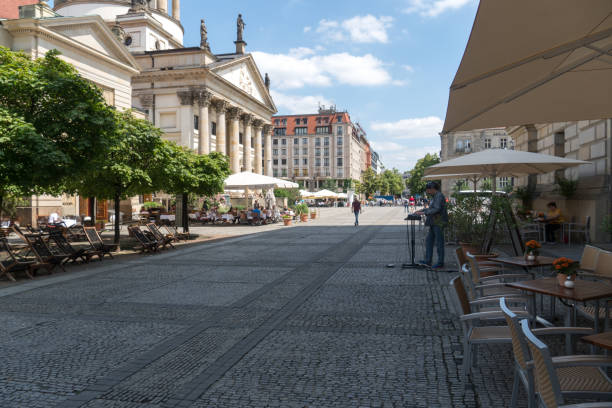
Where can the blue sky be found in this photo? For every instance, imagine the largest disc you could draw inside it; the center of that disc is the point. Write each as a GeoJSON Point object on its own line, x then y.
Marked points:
{"type": "Point", "coordinates": [388, 62]}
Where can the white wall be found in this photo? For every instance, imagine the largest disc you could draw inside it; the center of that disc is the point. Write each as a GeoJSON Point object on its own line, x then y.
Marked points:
{"type": "Point", "coordinates": [5, 38]}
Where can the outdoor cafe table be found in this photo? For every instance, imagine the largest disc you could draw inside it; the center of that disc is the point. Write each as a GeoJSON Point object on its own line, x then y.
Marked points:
{"type": "Point", "coordinates": [583, 291]}
{"type": "Point", "coordinates": [521, 262]}
{"type": "Point", "coordinates": [603, 340]}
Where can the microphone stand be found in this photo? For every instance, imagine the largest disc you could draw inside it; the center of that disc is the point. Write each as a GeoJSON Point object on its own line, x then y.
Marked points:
{"type": "Point", "coordinates": [410, 234]}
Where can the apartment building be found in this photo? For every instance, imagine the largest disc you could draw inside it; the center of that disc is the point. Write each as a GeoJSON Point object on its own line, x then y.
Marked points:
{"type": "Point", "coordinates": [313, 148]}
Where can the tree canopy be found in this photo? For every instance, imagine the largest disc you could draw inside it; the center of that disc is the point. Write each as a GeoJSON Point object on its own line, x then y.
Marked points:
{"type": "Point", "coordinates": [415, 182]}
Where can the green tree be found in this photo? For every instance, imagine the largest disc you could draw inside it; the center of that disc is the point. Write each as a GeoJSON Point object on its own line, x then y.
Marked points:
{"type": "Point", "coordinates": [182, 172]}
{"type": "Point", "coordinates": [392, 182]}
{"type": "Point", "coordinates": [128, 165]}
{"type": "Point", "coordinates": [27, 160]}
{"type": "Point", "coordinates": [330, 184]}
{"type": "Point", "coordinates": [415, 182]}
{"type": "Point", "coordinates": [370, 183]}
{"type": "Point", "coordinates": [66, 111]}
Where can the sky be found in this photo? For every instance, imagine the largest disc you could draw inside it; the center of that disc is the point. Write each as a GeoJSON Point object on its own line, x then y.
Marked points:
{"type": "Point", "coordinates": [389, 63]}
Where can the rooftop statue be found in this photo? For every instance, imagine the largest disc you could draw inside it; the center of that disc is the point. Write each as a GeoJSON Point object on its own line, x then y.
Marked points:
{"type": "Point", "coordinates": [138, 5]}
{"type": "Point", "coordinates": [240, 27]}
{"type": "Point", "coordinates": [204, 36]}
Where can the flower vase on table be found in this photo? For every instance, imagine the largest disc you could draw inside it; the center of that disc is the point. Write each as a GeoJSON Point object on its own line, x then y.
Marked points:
{"type": "Point", "coordinates": [565, 269]}
{"type": "Point", "coordinates": [532, 250]}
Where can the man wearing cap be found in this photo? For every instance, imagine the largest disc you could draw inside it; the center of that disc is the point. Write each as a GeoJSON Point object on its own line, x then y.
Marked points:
{"type": "Point", "coordinates": [437, 217]}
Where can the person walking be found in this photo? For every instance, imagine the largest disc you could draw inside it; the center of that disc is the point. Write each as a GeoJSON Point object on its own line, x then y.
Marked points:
{"type": "Point", "coordinates": [356, 208]}
{"type": "Point", "coordinates": [437, 217]}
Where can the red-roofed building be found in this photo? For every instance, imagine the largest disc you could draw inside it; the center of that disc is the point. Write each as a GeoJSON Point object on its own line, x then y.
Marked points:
{"type": "Point", "coordinates": [317, 147]}
{"type": "Point", "coordinates": [9, 9]}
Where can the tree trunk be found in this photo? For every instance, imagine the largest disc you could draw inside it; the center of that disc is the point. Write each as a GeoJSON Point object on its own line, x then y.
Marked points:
{"type": "Point", "coordinates": [185, 212]}
{"type": "Point", "coordinates": [117, 223]}
{"type": "Point", "coordinates": [1, 204]}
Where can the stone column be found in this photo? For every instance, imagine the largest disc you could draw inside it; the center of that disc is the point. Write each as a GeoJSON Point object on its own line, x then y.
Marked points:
{"type": "Point", "coordinates": [234, 153]}
{"type": "Point", "coordinates": [268, 150]}
{"type": "Point", "coordinates": [176, 9]}
{"type": "Point", "coordinates": [221, 106]}
{"type": "Point", "coordinates": [204, 126]}
{"type": "Point", "coordinates": [258, 125]}
{"type": "Point", "coordinates": [162, 5]}
{"type": "Point", "coordinates": [247, 120]}
{"type": "Point", "coordinates": [186, 116]}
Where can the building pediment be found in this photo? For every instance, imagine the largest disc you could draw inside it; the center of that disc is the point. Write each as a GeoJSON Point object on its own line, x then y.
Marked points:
{"type": "Point", "coordinates": [242, 72]}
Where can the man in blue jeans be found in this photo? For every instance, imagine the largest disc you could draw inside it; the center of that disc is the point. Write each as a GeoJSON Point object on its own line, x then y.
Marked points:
{"type": "Point", "coordinates": [356, 208]}
{"type": "Point", "coordinates": [437, 217]}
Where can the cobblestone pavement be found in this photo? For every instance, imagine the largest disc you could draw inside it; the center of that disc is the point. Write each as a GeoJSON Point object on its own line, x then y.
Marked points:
{"type": "Point", "coordinates": [308, 316]}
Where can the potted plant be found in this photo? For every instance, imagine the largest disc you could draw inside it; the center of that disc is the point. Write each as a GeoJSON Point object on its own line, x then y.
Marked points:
{"type": "Point", "coordinates": [532, 250]}
{"type": "Point", "coordinates": [286, 220]}
{"type": "Point", "coordinates": [313, 214]}
{"type": "Point", "coordinates": [467, 221]}
{"type": "Point", "coordinates": [302, 210]}
{"type": "Point", "coordinates": [565, 269]}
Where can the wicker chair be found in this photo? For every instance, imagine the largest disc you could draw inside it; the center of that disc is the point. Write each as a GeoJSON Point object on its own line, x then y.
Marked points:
{"type": "Point", "coordinates": [164, 240]}
{"type": "Point", "coordinates": [581, 376]}
{"type": "Point", "coordinates": [602, 271]}
{"type": "Point", "coordinates": [588, 260]}
{"type": "Point", "coordinates": [473, 334]}
{"type": "Point", "coordinates": [523, 367]}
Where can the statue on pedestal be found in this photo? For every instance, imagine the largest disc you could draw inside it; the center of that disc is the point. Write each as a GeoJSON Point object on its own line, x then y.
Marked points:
{"type": "Point", "coordinates": [240, 27]}
{"type": "Point", "coordinates": [204, 36]}
{"type": "Point", "coordinates": [139, 5]}
{"type": "Point", "coordinates": [267, 81]}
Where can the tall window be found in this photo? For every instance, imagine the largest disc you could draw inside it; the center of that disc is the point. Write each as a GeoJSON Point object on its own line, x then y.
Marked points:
{"type": "Point", "coordinates": [196, 122]}
{"type": "Point", "coordinates": [296, 162]}
{"type": "Point", "coordinates": [283, 172]}
{"type": "Point", "coordinates": [339, 152]}
{"type": "Point", "coordinates": [304, 140]}
{"type": "Point", "coordinates": [275, 152]}
{"type": "Point", "coordinates": [301, 130]}
{"type": "Point", "coordinates": [284, 122]}
{"type": "Point", "coordinates": [284, 162]}
{"type": "Point", "coordinates": [339, 130]}
{"type": "Point", "coordinates": [296, 140]}
{"type": "Point", "coordinates": [326, 151]}
{"type": "Point", "coordinates": [326, 161]}
{"type": "Point", "coordinates": [276, 122]}
{"type": "Point", "coordinates": [240, 138]}
{"type": "Point", "coordinates": [318, 141]}
{"type": "Point", "coordinates": [340, 173]}
{"type": "Point", "coordinates": [504, 182]}
{"type": "Point", "coordinates": [275, 162]}
{"type": "Point", "coordinates": [339, 119]}
{"type": "Point", "coordinates": [214, 129]}
{"type": "Point", "coordinates": [324, 130]}
{"type": "Point", "coordinates": [296, 151]}
{"type": "Point", "coordinates": [280, 131]}
{"type": "Point", "coordinates": [275, 172]}
{"type": "Point", "coordinates": [305, 172]}
{"type": "Point", "coordinates": [487, 143]}
{"type": "Point", "coordinates": [284, 152]}
{"type": "Point", "coordinates": [284, 142]}
{"type": "Point", "coordinates": [318, 162]}
{"type": "Point", "coordinates": [339, 141]}
{"type": "Point", "coordinates": [317, 152]}
{"type": "Point", "coordinates": [459, 144]}
{"type": "Point", "coordinates": [503, 143]}
{"type": "Point", "coordinates": [339, 162]}
{"type": "Point", "coordinates": [326, 141]}
{"type": "Point", "coordinates": [275, 142]}
{"type": "Point", "coordinates": [305, 150]}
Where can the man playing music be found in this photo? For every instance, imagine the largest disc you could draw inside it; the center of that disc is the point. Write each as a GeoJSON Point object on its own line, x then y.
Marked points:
{"type": "Point", "coordinates": [437, 217]}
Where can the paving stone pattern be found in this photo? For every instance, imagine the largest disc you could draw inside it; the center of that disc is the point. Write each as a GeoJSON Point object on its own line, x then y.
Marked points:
{"type": "Point", "coordinates": [308, 316]}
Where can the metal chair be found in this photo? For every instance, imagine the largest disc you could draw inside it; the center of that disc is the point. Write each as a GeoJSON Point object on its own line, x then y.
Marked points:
{"type": "Point", "coordinates": [582, 374]}
{"type": "Point", "coordinates": [523, 366]}
{"type": "Point", "coordinates": [473, 334]}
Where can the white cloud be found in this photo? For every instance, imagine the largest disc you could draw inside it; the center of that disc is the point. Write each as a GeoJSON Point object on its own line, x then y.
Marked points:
{"type": "Point", "coordinates": [424, 129]}
{"type": "Point", "coordinates": [307, 29]}
{"type": "Point", "coordinates": [359, 29]}
{"type": "Point", "coordinates": [433, 8]}
{"type": "Point", "coordinates": [408, 68]}
{"type": "Point", "coordinates": [302, 67]}
{"type": "Point", "coordinates": [293, 104]}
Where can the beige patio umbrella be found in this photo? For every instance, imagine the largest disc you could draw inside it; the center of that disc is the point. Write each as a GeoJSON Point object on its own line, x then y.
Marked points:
{"type": "Point", "coordinates": [534, 62]}
{"type": "Point", "coordinates": [473, 177]}
{"type": "Point", "coordinates": [502, 163]}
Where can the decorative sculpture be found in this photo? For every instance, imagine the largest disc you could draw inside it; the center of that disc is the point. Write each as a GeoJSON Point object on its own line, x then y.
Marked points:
{"type": "Point", "coordinates": [240, 27]}
{"type": "Point", "coordinates": [204, 36]}
{"type": "Point", "coordinates": [267, 81]}
{"type": "Point", "coordinates": [138, 5]}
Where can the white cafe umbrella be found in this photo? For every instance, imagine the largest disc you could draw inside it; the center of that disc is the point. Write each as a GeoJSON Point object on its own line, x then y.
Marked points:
{"type": "Point", "coordinates": [534, 61]}
{"type": "Point", "coordinates": [501, 162]}
{"type": "Point", "coordinates": [247, 179]}
{"type": "Point", "coordinates": [325, 194]}
{"type": "Point", "coordinates": [474, 177]}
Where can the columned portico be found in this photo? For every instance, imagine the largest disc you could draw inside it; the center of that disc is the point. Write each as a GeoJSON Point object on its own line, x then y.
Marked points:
{"type": "Point", "coordinates": [268, 150]}
{"type": "Point", "coordinates": [221, 106]}
{"type": "Point", "coordinates": [204, 98]}
{"type": "Point", "coordinates": [258, 125]}
{"type": "Point", "coordinates": [234, 153]}
{"type": "Point", "coordinates": [247, 120]}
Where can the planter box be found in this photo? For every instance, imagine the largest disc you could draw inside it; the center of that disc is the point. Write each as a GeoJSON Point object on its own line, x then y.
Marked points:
{"type": "Point", "coordinates": [287, 221]}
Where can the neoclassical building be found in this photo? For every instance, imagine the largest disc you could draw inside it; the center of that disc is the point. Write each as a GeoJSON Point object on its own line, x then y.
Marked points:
{"type": "Point", "coordinates": [204, 101]}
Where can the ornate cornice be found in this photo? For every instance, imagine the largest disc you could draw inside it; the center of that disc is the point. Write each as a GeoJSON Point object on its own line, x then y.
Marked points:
{"type": "Point", "coordinates": [267, 129]}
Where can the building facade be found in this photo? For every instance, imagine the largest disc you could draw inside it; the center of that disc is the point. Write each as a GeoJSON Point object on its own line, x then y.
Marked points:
{"type": "Point", "coordinates": [314, 148]}
{"type": "Point", "coordinates": [377, 164]}
{"type": "Point", "coordinates": [456, 144]}
{"type": "Point", "coordinates": [589, 140]}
